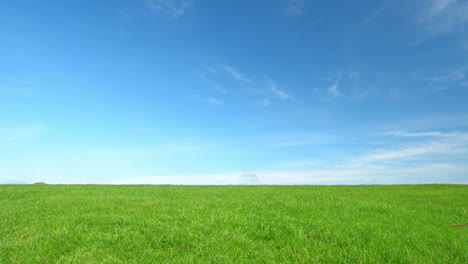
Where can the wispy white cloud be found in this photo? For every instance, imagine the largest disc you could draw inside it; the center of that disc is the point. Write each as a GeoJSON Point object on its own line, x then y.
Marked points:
{"type": "Point", "coordinates": [334, 90]}
{"type": "Point", "coordinates": [280, 93]}
{"type": "Point", "coordinates": [395, 93]}
{"type": "Point", "coordinates": [352, 84]}
{"type": "Point", "coordinates": [218, 88]}
{"type": "Point", "coordinates": [263, 103]}
{"type": "Point", "coordinates": [442, 79]}
{"type": "Point", "coordinates": [439, 143]}
{"type": "Point", "coordinates": [296, 7]}
{"type": "Point", "coordinates": [457, 75]}
{"type": "Point", "coordinates": [388, 155]}
{"type": "Point", "coordinates": [458, 136]}
{"type": "Point", "coordinates": [209, 100]}
{"type": "Point", "coordinates": [214, 101]}
{"type": "Point", "coordinates": [442, 16]}
{"type": "Point", "coordinates": [173, 8]}
{"type": "Point", "coordinates": [211, 69]}
{"type": "Point", "coordinates": [236, 74]}
{"type": "Point", "coordinates": [21, 133]}
{"type": "Point", "coordinates": [452, 75]}
{"type": "Point", "coordinates": [377, 12]}
{"type": "Point", "coordinates": [82, 26]}
{"type": "Point", "coordinates": [212, 83]}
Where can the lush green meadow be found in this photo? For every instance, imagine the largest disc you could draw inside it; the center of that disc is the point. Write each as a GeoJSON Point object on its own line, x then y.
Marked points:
{"type": "Point", "coordinates": [233, 224]}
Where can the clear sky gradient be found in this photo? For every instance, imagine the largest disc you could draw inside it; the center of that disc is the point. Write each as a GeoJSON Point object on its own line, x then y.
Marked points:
{"type": "Point", "coordinates": [234, 92]}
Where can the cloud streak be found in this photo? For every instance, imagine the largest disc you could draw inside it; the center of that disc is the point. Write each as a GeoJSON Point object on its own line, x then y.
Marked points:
{"type": "Point", "coordinates": [213, 84]}
{"type": "Point", "coordinates": [214, 101]}
{"type": "Point", "coordinates": [375, 13]}
{"type": "Point", "coordinates": [263, 103]}
{"type": "Point", "coordinates": [296, 7]}
{"type": "Point", "coordinates": [236, 74]}
{"type": "Point", "coordinates": [173, 8]}
{"type": "Point", "coordinates": [440, 143]}
{"type": "Point", "coordinates": [280, 93]}
{"type": "Point", "coordinates": [443, 16]}
{"type": "Point", "coordinates": [210, 100]}
{"type": "Point", "coordinates": [334, 90]}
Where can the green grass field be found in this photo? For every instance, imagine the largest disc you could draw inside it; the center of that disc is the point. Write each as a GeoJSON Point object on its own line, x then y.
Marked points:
{"type": "Point", "coordinates": [233, 224]}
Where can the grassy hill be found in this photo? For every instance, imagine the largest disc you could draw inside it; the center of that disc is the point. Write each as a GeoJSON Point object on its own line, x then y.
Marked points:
{"type": "Point", "coordinates": [233, 224]}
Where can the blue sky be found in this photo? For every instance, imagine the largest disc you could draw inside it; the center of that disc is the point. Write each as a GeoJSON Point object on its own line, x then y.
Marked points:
{"type": "Point", "coordinates": [234, 92]}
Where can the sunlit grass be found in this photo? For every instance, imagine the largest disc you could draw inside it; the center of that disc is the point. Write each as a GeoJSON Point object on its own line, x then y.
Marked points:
{"type": "Point", "coordinates": [233, 224]}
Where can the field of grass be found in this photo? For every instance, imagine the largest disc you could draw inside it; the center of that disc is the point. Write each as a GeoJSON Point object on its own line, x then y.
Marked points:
{"type": "Point", "coordinates": [233, 224]}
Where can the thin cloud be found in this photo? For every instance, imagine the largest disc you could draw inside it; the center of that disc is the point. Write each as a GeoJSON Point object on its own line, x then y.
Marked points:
{"type": "Point", "coordinates": [212, 83]}
{"type": "Point", "coordinates": [356, 85]}
{"type": "Point", "coordinates": [401, 153]}
{"type": "Point", "coordinates": [296, 7]}
{"type": "Point", "coordinates": [210, 100]}
{"type": "Point", "coordinates": [395, 93]}
{"type": "Point", "coordinates": [442, 79]}
{"type": "Point", "coordinates": [375, 13]}
{"type": "Point", "coordinates": [173, 8]}
{"type": "Point", "coordinates": [459, 136]}
{"type": "Point", "coordinates": [442, 76]}
{"type": "Point", "coordinates": [218, 88]}
{"type": "Point", "coordinates": [211, 69]}
{"type": "Point", "coordinates": [444, 143]}
{"type": "Point", "coordinates": [280, 93]}
{"type": "Point", "coordinates": [263, 103]}
{"type": "Point", "coordinates": [442, 16]}
{"type": "Point", "coordinates": [236, 74]}
{"type": "Point", "coordinates": [214, 101]}
{"type": "Point", "coordinates": [334, 90]}
{"type": "Point", "coordinates": [82, 26]}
